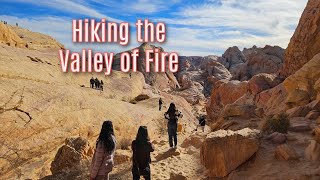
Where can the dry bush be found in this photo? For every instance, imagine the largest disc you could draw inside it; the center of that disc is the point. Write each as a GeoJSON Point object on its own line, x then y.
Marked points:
{"type": "Point", "coordinates": [279, 123]}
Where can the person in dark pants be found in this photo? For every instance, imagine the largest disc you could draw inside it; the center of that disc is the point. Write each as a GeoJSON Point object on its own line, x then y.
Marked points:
{"type": "Point", "coordinates": [97, 83]}
{"type": "Point", "coordinates": [160, 104]}
{"type": "Point", "coordinates": [172, 115]}
{"type": "Point", "coordinates": [141, 148]}
{"type": "Point", "coordinates": [92, 82]}
{"type": "Point", "coordinates": [202, 123]}
{"type": "Point", "coordinates": [101, 85]}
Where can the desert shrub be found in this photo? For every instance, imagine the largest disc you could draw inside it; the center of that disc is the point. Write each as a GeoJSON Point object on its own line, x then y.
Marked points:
{"type": "Point", "coordinates": [279, 123]}
{"type": "Point", "coordinates": [124, 143]}
{"type": "Point", "coordinates": [141, 97]}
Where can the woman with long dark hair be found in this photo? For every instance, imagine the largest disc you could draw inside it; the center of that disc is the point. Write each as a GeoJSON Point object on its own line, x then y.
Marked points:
{"type": "Point", "coordinates": [172, 115]}
{"type": "Point", "coordinates": [102, 161]}
{"type": "Point", "coordinates": [141, 159]}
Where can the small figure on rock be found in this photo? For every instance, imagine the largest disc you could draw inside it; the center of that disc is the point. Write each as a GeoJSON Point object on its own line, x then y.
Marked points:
{"type": "Point", "coordinates": [160, 104]}
{"type": "Point", "coordinates": [17, 25]}
{"type": "Point", "coordinates": [141, 148]}
{"type": "Point", "coordinates": [102, 161]}
{"type": "Point", "coordinates": [97, 83]}
{"type": "Point", "coordinates": [172, 115]}
{"type": "Point", "coordinates": [101, 85]}
{"type": "Point", "coordinates": [202, 122]}
{"type": "Point", "coordinates": [92, 82]}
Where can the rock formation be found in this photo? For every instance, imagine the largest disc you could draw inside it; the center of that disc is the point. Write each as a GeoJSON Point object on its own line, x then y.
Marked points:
{"type": "Point", "coordinates": [7, 36]}
{"type": "Point", "coordinates": [305, 43]}
{"type": "Point", "coordinates": [223, 151]}
{"type": "Point", "coordinates": [245, 64]}
{"type": "Point", "coordinates": [71, 155]}
{"type": "Point", "coordinates": [159, 80]}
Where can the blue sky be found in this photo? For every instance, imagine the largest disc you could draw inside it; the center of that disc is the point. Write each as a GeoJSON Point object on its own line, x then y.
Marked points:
{"type": "Point", "coordinates": [194, 27]}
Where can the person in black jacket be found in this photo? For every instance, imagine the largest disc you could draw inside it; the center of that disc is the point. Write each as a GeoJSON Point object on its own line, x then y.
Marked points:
{"type": "Point", "coordinates": [92, 82]}
{"type": "Point", "coordinates": [202, 122]}
{"type": "Point", "coordinates": [141, 159]}
{"type": "Point", "coordinates": [172, 115]}
{"type": "Point", "coordinates": [160, 104]}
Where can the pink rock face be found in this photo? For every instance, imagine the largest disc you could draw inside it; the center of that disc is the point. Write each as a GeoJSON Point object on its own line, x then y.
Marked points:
{"type": "Point", "coordinates": [305, 42]}
{"type": "Point", "coordinates": [223, 151]}
{"type": "Point", "coordinates": [273, 100]}
{"type": "Point", "coordinates": [228, 92]}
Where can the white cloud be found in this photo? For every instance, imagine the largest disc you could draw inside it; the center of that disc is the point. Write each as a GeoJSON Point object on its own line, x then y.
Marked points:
{"type": "Point", "coordinates": [201, 29]}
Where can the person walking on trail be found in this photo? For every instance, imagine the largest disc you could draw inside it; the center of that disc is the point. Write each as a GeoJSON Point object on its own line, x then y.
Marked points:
{"type": "Point", "coordinates": [160, 104]}
{"type": "Point", "coordinates": [141, 148]}
{"type": "Point", "coordinates": [102, 161]}
{"type": "Point", "coordinates": [202, 123]}
{"type": "Point", "coordinates": [101, 85]}
{"type": "Point", "coordinates": [92, 82]}
{"type": "Point", "coordinates": [172, 115]}
{"type": "Point", "coordinates": [97, 83]}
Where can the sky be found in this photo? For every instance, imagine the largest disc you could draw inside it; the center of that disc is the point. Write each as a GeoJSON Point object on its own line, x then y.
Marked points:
{"type": "Point", "coordinates": [194, 27]}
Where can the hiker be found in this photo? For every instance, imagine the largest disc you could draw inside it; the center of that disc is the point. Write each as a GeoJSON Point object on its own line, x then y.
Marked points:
{"type": "Point", "coordinates": [172, 115]}
{"type": "Point", "coordinates": [101, 85]}
{"type": "Point", "coordinates": [102, 161]}
{"type": "Point", "coordinates": [202, 123]}
{"type": "Point", "coordinates": [160, 104]}
{"type": "Point", "coordinates": [92, 82]}
{"type": "Point", "coordinates": [141, 148]}
{"type": "Point", "coordinates": [97, 83]}
{"type": "Point", "coordinates": [17, 24]}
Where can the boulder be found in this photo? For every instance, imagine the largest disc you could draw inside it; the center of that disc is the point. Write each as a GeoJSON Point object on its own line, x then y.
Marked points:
{"type": "Point", "coordinates": [277, 138]}
{"type": "Point", "coordinates": [272, 101]}
{"type": "Point", "coordinates": [71, 155]}
{"type": "Point", "coordinates": [299, 124]}
{"type": "Point", "coordinates": [227, 92]}
{"type": "Point", "coordinates": [261, 82]}
{"type": "Point", "coordinates": [285, 152]}
{"type": "Point", "coordinates": [312, 152]}
{"type": "Point", "coordinates": [225, 150]}
{"type": "Point", "coordinates": [305, 43]}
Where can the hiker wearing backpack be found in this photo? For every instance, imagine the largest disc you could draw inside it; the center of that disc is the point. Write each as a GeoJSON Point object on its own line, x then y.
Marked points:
{"type": "Point", "coordinates": [202, 122]}
{"type": "Point", "coordinates": [141, 148]}
{"type": "Point", "coordinates": [102, 161]}
{"type": "Point", "coordinates": [172, 116]}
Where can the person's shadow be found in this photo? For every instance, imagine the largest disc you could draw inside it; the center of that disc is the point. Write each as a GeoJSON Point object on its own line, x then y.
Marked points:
{"type": "Point", "coordinates": [167, 154]}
